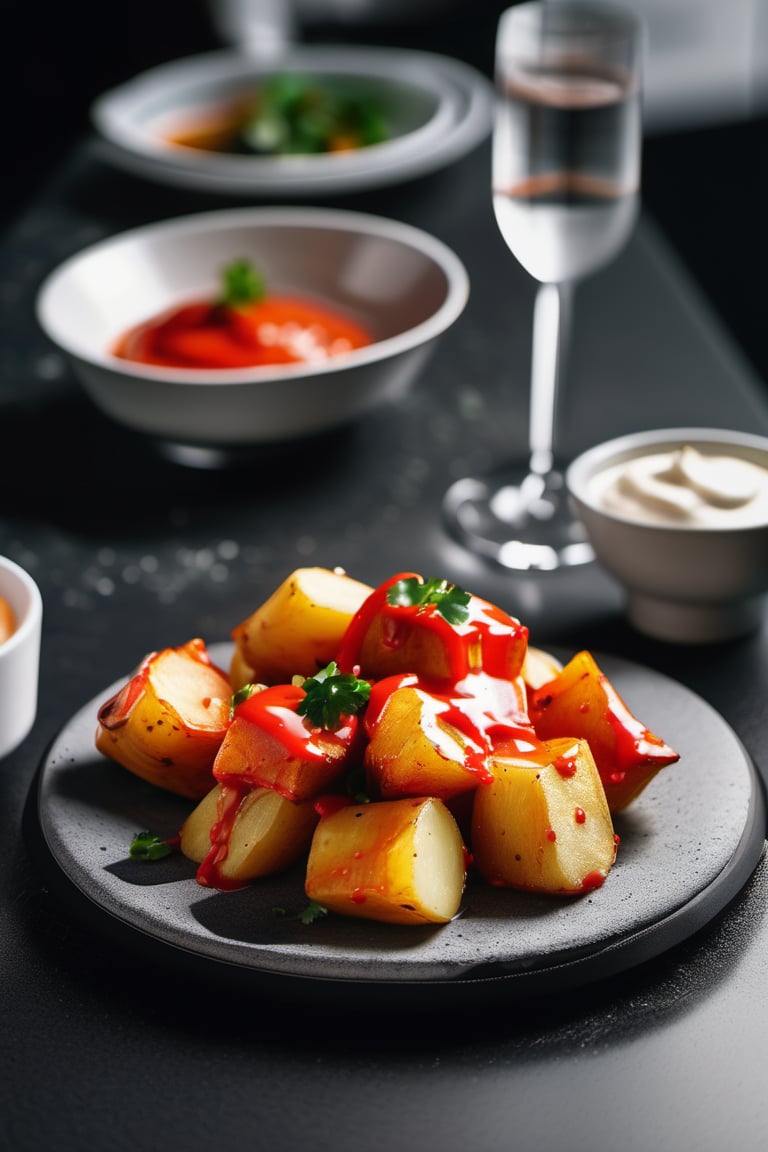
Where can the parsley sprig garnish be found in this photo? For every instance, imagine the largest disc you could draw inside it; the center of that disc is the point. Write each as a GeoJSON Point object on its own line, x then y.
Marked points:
{"type": "Point", "coordinates": [446, 598]}
{"type": "Point", "coordinates": [241, 284]}
{"type": "Point", "coordinates": [297, 115]}
{"type": "Point", "coordinates": [312, 912]}
{"type": "Point", "coordinates": [331, 694]}
{"type": "Point", "coordinates": [147, 846]}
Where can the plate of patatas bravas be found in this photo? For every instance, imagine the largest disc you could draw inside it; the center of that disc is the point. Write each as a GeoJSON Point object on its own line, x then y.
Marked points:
{"type": "Point", "coordinates": [392, 782]}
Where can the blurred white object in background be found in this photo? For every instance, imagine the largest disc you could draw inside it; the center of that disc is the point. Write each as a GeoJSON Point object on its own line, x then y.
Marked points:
{"type": "Point", "coordinates": [260, 27]}
{"type": "Point", "coordinates": [707, 60]}
{"type": "Point", "coordinates": [378, 11]}
{"type": "Point", "coordinates": [266, 26]}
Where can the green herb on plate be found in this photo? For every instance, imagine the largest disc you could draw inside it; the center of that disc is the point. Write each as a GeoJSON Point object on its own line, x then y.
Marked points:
{"type": "Point", "coordinates": [330, 695]}
{"type": "Point", "coordinates": [446, 598]}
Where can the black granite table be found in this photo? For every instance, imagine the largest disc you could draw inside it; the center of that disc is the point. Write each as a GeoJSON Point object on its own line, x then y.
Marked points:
{"type": "Point", "coordinates": [106, 1047]}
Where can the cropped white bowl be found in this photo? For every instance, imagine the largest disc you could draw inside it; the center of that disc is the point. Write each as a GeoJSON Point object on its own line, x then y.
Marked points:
{"type": "Point", "coordinates": [404, 285]}
{"type": "Point", "coordinates": [19, 656]}
{"type": "Point", "coordinates": [684, 584]}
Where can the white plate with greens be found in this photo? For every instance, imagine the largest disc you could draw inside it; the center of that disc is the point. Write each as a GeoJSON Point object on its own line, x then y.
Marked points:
{"type": "Point", "coordinates": [429, 110]}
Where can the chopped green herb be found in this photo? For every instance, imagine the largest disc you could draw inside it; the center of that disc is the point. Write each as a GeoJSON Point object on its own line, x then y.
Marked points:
{"type": "Point", "coordinates": [296, 115]}
{"type": "Point", "coordinates": [241, 284]}
{"type": "Point", "coordinates": [331, 694]}
{"type": "Point", "coordinates": [242, 694]}
{"type": "Point", "coordinates": [356, 784]}
{"type": "Point", "coordinates": [147, 846]}
{"type": "Point", "coordinates": [312, 912]}
{"type": "Point", "coordinates": [446, 598]}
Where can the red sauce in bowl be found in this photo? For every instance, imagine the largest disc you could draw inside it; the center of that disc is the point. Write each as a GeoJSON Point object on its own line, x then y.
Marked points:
{"type": "Point", "coordinates": [272, 330]}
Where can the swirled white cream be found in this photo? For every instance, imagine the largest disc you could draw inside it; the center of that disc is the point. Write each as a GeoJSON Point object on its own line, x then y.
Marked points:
{"type": "Point", "coordinates": [686, 487]}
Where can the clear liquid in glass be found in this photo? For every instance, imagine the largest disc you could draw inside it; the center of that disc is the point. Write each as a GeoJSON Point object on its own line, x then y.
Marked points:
{"type": "Point", "coordinates": [565, 170]}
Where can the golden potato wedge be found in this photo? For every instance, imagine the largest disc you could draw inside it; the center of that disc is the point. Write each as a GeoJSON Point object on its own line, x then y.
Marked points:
{"type": "Point", "coordinates": [581, 701]}
{"type": "Point", "coordinates": [399, 861]}
{"type": "Point", "coordinates": [544, 827]}
{"type": "Point", "coordinates": [415, 750]}
{"type": "Point", "coordinates": [240, 834]}
{"type": "Point", "coordinates": [386, 639]}
{"type": "Point", "coordinates": [168, 722]}
{"type": "Point", "coordinates": [298, 629]}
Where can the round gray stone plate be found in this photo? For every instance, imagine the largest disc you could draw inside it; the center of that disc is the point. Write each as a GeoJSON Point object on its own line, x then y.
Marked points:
{"type": "Point", "coordinates": [688, 845]}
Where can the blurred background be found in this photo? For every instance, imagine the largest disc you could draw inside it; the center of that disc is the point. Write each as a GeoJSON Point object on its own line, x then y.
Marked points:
{"type": "Point", "coordinates": [706, 101]}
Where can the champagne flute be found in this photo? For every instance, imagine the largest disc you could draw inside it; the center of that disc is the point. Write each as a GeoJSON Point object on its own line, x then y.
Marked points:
{"type": "Point", "coordinates": [565, 178]}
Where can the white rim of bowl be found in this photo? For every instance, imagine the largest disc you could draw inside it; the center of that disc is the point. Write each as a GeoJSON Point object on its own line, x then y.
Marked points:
{"type": "Point", "coordinates": [584, 467]}
{"type": "Point", "coordinates": [34, 610]}
{"type": "Point", "coordinates": [457, 292]}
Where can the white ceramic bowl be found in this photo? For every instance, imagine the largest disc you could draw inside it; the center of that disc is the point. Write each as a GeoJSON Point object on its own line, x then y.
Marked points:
{"type": "Point", "coordinates": [404, 285]}
{"type": "Point", "coordinates": [685, 582]}
{"type": "Point", "coordinates": [19, 655]}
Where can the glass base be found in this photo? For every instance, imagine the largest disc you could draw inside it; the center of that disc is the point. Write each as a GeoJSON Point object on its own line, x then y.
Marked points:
{"type": "Point", "coordinates": [518, 519]}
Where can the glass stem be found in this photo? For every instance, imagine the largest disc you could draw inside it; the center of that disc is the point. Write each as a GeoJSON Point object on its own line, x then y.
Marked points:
{"type": "Point", "coordinates": [551, 321]}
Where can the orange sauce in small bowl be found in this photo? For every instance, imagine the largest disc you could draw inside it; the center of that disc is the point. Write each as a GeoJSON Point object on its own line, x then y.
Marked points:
{"type": "Point", "coordinates": [8, 622]}
{"type": "Point", "coordinates": [272, 330]}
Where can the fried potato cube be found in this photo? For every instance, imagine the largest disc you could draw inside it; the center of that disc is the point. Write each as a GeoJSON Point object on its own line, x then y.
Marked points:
{"type": "Point", "coordinates": [399, 861]}
{"type": "Point", "coordinates": [241, 834]}
{"type": "Point", "coordinates": [387, 639]}
{"type": "Point", "coordinates": [544, 827]}
{"type": "Point", "coordinates": [167, 723]}
{"type": "Point", "coordinates": [267, 745]}
{"type": "Point", "coordinates": [262, 760]}
{"type": "Point", "coordinates": [415, 750]}
{"type": "Point", "coordinates": [297, 631]}
{"type": "Point", "coordinates": [581, 701]}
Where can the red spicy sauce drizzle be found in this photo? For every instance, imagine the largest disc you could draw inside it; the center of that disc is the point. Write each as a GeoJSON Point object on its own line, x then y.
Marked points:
{"type": "Point", "coordinates": [489, 714]}
{"type": "Point", "coordinates": [592, 880]}
{"type": "Point", "coordinates": [114, 712]}
{"type": "Point", "coordinates": [489, 639]}
{"type": "Point", "coordinates": [274, 711]}
{"type": "Point", "coordinates": [209, 873]}
{"type": "Point", "coordinates": [567, 764]}
{"type": "Point", "coordinates": [634, 743]}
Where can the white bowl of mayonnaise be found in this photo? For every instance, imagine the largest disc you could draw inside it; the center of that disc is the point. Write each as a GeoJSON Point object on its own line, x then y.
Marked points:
{"type": "Point", "coordinates": [679, 516]}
